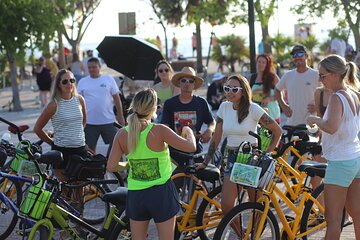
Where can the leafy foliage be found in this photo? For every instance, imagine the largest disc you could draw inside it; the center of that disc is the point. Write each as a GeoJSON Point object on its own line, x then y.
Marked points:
{"type": "Point", "coordinates": [343, 10]}
{"type": "Point", "coordinates": [282, 46]}
{"type": "Point", "coordinates": [229, 49]}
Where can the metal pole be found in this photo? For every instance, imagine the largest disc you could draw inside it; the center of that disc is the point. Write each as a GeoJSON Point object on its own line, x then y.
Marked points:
{"type": "Point", "coordinates": [251, 21]}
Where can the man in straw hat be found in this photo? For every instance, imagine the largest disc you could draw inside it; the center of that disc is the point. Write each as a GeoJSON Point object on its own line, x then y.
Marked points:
{"type": "Point", "coordinates": [186, 109]}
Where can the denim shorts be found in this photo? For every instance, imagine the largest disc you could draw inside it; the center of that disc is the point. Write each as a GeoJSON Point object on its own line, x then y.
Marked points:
{"type": "Point", "coordinates": [158, 202]}
{"type": "Point", "coordinates": [342, 173]}
{"type": "Point", "coordinates": [231, 159]}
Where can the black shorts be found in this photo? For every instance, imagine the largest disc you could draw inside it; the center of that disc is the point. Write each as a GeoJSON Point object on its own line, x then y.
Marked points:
{"type": "Point", "coordinates": [158, 202]}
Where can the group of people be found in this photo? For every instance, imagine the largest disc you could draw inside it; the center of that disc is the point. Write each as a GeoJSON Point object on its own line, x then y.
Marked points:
{"type": "Point", "coordinates": [169, 117]}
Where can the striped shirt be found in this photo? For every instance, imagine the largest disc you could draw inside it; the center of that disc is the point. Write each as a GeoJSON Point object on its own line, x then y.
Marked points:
{"type": "Point", "coordinates": [68, 123]}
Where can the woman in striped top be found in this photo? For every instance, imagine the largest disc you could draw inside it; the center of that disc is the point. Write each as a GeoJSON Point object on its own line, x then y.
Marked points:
{"type": "Point", "coordinates": [67, 113]}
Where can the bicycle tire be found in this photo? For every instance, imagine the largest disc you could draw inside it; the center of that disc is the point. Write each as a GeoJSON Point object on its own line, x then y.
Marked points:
{"type": "Point", "coordinates": [182, 190]}
{"type": "Point", "coordinates": [309, 216]}
{"type": "Point", "coordinates": [8, 223]}
{"type": "Point", "coordinates": [203, 211]}
{"type": "Point", "coordinates": [95, 204]}
{"type": "Point", "coordinates": [269, 231]}
{"type": "Point", "coordinates": [110, 176]}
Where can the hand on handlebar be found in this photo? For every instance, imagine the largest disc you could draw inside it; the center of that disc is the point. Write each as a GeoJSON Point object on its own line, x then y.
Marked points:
{"type": "Point", "coordinates": [199, 166]}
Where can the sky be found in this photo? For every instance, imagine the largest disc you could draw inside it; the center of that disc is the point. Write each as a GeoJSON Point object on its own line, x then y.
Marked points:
{"type": "Point", "coordinates": [105, 23]}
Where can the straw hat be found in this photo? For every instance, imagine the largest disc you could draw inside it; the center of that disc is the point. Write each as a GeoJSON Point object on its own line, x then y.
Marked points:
{"type": "Point", "coordinates": [187, 72]}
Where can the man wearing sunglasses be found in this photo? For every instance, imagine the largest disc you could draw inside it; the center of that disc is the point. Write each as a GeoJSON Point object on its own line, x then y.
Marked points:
{"type": "Point", "coordinates": [100, 93]}
{"type": "Point", "coordinates": [186, 109]}
{"type": "Point", "coordinates": [300, 85]}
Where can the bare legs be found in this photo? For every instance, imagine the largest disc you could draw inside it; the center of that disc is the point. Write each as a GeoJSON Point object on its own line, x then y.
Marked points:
{"type": "Point", "coordinates": [43, 97]}
{"type": "Point", "coordinates": [165, 229]}
{"type": "Point", "coordinates": [336, 198]}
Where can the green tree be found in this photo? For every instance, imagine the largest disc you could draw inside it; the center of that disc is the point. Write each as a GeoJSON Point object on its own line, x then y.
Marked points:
{"type": "Point", "coordinates": [194, 11]}
{"type": "Point", "coordinates": [264, 11]}
{"type": "Point", "coordinates": [78, 15]}
{"type": "Point", "coordinates": [234, 50]}
{"type": "Point", "coordinates": [21, 21]}
{"type": "Point", "coordinates": [282, 47]}
{"type": "Point", "coordinates": [343, 10]}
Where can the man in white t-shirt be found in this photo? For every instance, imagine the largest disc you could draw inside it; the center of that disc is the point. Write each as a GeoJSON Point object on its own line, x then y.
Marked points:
{"type": "Point", "coordinates": [338, 46]}
{"type": "Point", "coordinates": [300, 85]}
{"type": "Point", "coordinates": [100, 93]}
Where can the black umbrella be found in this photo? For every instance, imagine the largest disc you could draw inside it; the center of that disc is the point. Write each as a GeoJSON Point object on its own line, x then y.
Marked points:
{"type": "Point", "coordinates": [131, 56]}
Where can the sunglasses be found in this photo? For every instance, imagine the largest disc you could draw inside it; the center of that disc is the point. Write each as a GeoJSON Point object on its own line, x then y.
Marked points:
{"type": "Point", "coordinates": [163, 70]}
{"type": "Point", "coordinates": [65, 81]}
{"type": "Point", "coordinates": [299, 54]}
{"type": "Point", "coordinates": [184, 80]}
{"type": "Point", "coordinates": [322, 76]}
{"type": "Point", "coordinates": [232, 89]}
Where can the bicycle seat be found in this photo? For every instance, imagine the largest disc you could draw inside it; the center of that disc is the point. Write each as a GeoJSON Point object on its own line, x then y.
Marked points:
{"type": "Point", "coordinates": [22, 129]}
{"type": "Point", "coordinates": [312, 147]}
{"type": "Point", "coordinates": [117, 197]}
{"type": "Point", "coordinates": [312, 168]}
{"type": "Point", "coordinates": [53, 157]}
{"type": "Point", "coordinates": [209, 174]}
{"type": "Point", "coordinates": [293, 128]}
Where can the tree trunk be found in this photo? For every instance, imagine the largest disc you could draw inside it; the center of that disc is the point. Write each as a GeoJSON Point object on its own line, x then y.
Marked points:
{"type": "Point", "coordinates": [61, 50]}
{"type": "Point", "coordinates": [199, 64]}
{"type": "Point", "coordinates": [265, 37]}
{"type": "Point", "coordinates": [13, 76]}
{"type": "Point", "coordinates": [166, 41]}
{"type": "Point", "coordinates": [356, 33]}
{"type": "Point", "coordinates": [75, 47]}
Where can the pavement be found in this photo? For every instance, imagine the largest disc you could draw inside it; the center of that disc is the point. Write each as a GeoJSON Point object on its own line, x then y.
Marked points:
{"type": "Point", "coordinates": [32, 110]}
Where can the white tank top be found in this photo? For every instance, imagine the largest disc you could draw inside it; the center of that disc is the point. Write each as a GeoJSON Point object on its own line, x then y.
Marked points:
{"type": "Point", "coordinates": [344, 143]}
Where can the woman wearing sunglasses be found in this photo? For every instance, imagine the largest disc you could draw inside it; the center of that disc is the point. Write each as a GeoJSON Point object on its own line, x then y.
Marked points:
{"type": "Point", "coordinates": [68, 117]}
{"type": "Point", "coordinates": [235, 118]}
{"type": "Point", "coordinates": [164, 89]}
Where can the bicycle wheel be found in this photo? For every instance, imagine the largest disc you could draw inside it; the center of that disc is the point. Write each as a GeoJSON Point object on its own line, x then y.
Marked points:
{"type": "Point", "coordinates": [182, 184]}
{"type": "Point", "coordinates": [12, 191]}
{"type": "Point", "coordinates": [209, 214]}
{"type": "Point", "coordinates": [313, 216]}
{"type": "Point", "coordinates": [113, 176]}
{"type": "Point", "coordinates": [95, 210]}
{"type": "Point", "coordinates": [236, 223]}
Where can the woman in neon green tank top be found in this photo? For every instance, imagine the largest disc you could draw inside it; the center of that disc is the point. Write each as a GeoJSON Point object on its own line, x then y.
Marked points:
{"type": "Point", "coordinates": [151, 192]}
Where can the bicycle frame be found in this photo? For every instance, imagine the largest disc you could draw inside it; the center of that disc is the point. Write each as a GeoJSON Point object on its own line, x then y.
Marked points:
{"type": "Point", "coordinates": [290, 227]}
{"type": "Point", "coordinates": [190, 215]}
{"type": "Point", "coordinates": [61, 217]}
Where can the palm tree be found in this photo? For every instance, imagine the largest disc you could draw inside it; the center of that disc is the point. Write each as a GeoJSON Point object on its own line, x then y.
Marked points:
{"type": "Point", "coordinates": [281, 46]}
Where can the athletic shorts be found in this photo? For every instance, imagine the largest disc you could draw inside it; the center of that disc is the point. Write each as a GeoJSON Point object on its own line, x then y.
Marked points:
{"type": "Point", "coordinates": [342, 173]}
{"type": "Point", "coordinates": [158, 202]}
{"type": "Point", "coordinates": [92, 133]}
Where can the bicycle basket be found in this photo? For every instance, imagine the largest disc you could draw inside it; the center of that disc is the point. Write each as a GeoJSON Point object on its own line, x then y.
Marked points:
{"type": "Point", "coordinates": [265, 136]}
{"type": "Point", "coordinates": [36, 202]}
{"type": "Point", "coordinates": [20, 154]}
{"type": "Point", "coordinates": [88, 167]}
{"type": "Point", "coordinates": [27, 168]}
{"type": "Point", "coordinates": [268, 166]}
{"type": "Point", "coordinates": [244, 151]}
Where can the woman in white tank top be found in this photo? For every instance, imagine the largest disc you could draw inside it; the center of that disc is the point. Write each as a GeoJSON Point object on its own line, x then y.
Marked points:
{"type": "Point", "coordinates": [341, 147]}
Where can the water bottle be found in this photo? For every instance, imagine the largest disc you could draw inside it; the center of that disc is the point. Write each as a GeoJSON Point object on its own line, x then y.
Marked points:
{"type": "Point", "coordinates": [5, 138]}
